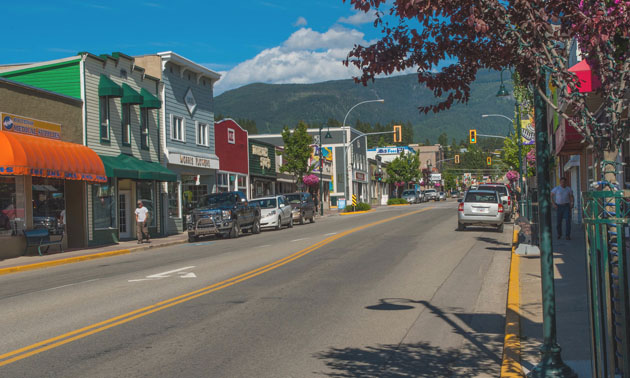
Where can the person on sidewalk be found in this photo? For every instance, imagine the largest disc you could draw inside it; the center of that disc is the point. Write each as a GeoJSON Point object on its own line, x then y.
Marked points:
{"type": "Point", "coordinates": [142, 224]}
{"type": "Point", "coordinates": [562, 200]}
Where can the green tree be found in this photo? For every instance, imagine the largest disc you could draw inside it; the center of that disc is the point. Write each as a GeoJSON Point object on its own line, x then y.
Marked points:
{"type": "Point", "coordinates": [510, 154]}
{"type": "Point", "coordinates": [449, 180]}
{"type": "Point", "coordinates": [405, 168]}
{"type": "Point", "coordinates": [297, 151]}
{"type": "Point", "coordinates": [443, 140]}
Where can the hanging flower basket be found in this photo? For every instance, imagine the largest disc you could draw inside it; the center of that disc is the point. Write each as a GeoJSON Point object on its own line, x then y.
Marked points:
{"type": "Point", "coordinates": [531, 157]}
{"type": "Point", "coordinates": [310, 180]}
{"type": "Point", "coordinates": [399, 183]}
{"type": "Point", "coordinates": [512, 176]}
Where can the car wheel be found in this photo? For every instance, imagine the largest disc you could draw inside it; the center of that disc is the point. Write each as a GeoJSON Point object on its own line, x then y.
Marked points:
{"type": "Point", "coordinates": [291, 222]}
{"type": "Point", "coordinates": [279, 225]}
{"type": "Point", "coordinates": [302, 218]}
{"type": "Point", "coordinates": [313, 218]}
{"type": "Point", "coordinates": [256, 227]}
{"type": "Point", "coordinates": [460, 227]}
{"type": "Point", "coordinates": [192, 238]}
{"type": "Point", "coordinates": [236, 231]}
{"type": "Point", "coordinates": [500, 228]}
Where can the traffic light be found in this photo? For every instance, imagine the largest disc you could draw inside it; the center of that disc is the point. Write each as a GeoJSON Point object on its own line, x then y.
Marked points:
{"type": "Point", "coordinates": [456, 159]}
{"type": "Point", "coordinates": [397, 133]}
{"type": "Point", "coordinates": [472, 136]}
{"type": "Point", "coordinates": [489, 160]}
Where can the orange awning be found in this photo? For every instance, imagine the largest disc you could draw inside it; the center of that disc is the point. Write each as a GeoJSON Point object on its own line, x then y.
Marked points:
{"type": "Point", "coordinates": [34, 156]}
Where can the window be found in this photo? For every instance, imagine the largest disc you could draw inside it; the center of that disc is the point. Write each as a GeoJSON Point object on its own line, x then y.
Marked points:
{"type": "Point", "coordinates": [144, 129]}
{"type": "Point", "coordinates": [103, 206]}
{"type": "Point", "coordinates": [48, 203]}
{"type": "Point", "coordinates": [104, 116]}
{"type": "Point", "coordinates": [11, 211]}
{"type": "Point", "coordinates": [242, 184]}
{"type": "Point", "coordinates": [222, 182]}
{"type": "Point", "coordinates": [192, 193]}
{"type": "Point", "coordinates": [173, 199]}
{"type": "Point", "coordinates": [202, 134]}
{"type": "Point", "coordinates": [177, 128]}
{"type": "Point", "coordinates": [126, 125]}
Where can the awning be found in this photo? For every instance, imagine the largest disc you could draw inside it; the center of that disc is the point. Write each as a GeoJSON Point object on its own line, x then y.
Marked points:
{"type": "Point", "coordinates": [587, 81]}
{"type": "Point", "coordinates": [150, 101]}
{"type": "Point", "coordinates": [106, 87]}
{"type": "Point", "coordinates": [34, 156]}
{"type": "Point", "coordinates": [125, 166]}
{"type": "Point", "coordinates": [130, 96]}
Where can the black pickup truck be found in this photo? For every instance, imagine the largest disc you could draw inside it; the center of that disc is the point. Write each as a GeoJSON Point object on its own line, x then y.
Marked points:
{"type": "Point", "coordinates": [223, 214]}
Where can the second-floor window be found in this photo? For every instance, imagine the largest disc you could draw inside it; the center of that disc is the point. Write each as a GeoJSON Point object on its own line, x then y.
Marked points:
{"type": "Point", "coordinates": [104, 115]}
{"type": "Point", "coordinates": [202, 134]}
{"type": "Point", "coordinates": [177, 129]}
{"type": "Point", "coordinates": [126, 124]}
{"type": "Point", "coordinates": [144, 129]}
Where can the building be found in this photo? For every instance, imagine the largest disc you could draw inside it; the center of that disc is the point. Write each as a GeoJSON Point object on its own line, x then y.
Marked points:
{"type": "Point", "coordinates": [42, 167]}
{"type": "Point", "coordinates": [120, 122]}
{"type": "Point", "coordinates": [262, 168]}
{"type": "Point", "coordinates": [430, 156]}
{"type": "Point", "coordinates": [232, 146]}
{"type": "Point", "coordinates": [187, 138]}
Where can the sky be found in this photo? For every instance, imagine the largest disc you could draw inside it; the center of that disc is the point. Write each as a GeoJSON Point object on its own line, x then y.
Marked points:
{"type": "Point", "coordinates": [246, 41]}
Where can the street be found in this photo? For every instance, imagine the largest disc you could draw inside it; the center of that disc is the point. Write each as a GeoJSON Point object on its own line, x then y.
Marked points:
{"type": "Point", "coordinates": [392, 293]}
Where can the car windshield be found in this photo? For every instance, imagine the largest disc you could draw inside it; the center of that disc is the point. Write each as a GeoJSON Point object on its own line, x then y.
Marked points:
{"type": "Point", "coordinates": [409, 193]}
{"type": "Point", "coordinates": [500, 189]}
{"type": "Point", "coordinates": [482, 197]}
{"type": "Point", "coordinates": [293, 198]}
{"type": "Point", "coordinates": [267, 203]}
{"type": "Point", "coordinates": [217, 200]}
{"type": "Point", "coordinates": [430, 191]}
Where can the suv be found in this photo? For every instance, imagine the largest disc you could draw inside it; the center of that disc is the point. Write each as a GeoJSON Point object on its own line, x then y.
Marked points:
{"type": "Point", "coordinates": [504, 193]}
{"type": "Point", "coordinates": [302, 206]}
{"type": "Point", "coordinates": [223, 214]}
{"type": "Point", "coordinates": [431, 194]}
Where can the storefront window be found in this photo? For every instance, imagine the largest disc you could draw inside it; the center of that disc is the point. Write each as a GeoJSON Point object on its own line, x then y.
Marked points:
{"type": "Point", "coordinates": [242, 184]}
{"type": "Point", "coordinates": [145, 191]}
{"type": "Point", "coordinates": [11, 215]}
{"type": "Point", "coordinates": [104, 206]}
{"type": "Point", "coordinates": [191, 193]}
{"type": "Point", "coordinates": [222, 182]}
{"type": "Point", "coordinates": [173, 199]}
{"type": "Point", "coordinates": [48, 203]}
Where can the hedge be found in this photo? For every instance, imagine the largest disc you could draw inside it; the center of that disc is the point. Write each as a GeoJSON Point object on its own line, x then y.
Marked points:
{"type": "Point", "coordinates": [397, 201]}
{"type": "Point", "coordinates": [361, 206]}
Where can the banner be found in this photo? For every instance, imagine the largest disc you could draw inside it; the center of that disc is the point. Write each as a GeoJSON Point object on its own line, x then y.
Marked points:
{"type": "Point", "coordinates": [528, 132]}
{"type": "Point", "coordinates": [18, 124]}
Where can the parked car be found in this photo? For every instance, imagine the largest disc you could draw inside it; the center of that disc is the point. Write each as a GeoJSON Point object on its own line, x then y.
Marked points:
{"type": "Point", "coordinates": [411, 195]}
{"type": "Point", "coordinates": [431, 194]}
{"type": "Point", "coordinates": [302, 206]}
{"type": "Point", "coordinates": [442, 196]}
{"type": "Point", "coordinates": [505, 194]}
{"type": "Point", "coordinates": [274, 212]}
{"type": "Point", "coordinates": [223, 214]}
{"type": "Point", "coordinates": [454, 194]}
{"type": "Point", "coordinates": [480, 207]}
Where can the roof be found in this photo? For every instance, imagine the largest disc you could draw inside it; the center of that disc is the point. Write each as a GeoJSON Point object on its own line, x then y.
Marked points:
{"type": "Point", "coordinates": [189, 65]}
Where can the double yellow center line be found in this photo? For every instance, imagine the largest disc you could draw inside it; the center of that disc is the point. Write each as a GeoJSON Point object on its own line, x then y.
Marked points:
{"type": "Point", "coordinates": [69, 337]}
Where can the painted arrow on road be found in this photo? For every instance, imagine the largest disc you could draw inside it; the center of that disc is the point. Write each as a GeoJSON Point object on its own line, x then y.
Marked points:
{"type": "Point", "coordinates": [181, 272]}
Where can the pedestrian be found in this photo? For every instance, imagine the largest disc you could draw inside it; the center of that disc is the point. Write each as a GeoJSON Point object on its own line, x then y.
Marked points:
{"type": "Point", "coordinates": [142, 224]}
{"type": "Point", "coordinates": [562, 200]}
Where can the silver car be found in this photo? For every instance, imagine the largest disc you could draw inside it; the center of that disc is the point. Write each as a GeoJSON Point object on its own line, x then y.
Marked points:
{"type": "Point", "coordinates": [442, 196]}
{"type": "Point", "coordinates": [411, 195]}
{"type": "Point", "coordinates": [506, 199]}
{"type": "Point", "coordinates": [275, 212]}
{"type": "Point", "coordinates": [480, 207]}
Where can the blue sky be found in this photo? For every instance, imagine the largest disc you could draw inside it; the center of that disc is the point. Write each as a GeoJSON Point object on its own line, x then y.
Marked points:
{"type": "Point", "coordinates": [274, 41]}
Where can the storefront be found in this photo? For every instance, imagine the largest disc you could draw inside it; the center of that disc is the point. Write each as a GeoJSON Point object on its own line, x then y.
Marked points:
{"type": "Point", "coordinates": [262, 168]}
{"type": "Point", "coordinates": [231, 144]}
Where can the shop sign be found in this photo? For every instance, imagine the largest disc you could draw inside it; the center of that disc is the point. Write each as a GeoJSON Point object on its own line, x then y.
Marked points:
{"type": "Point", "coordinates": [192, 161]}
{"type": "Point", "coordinates": [390, 150]}
{"type": "Point", "coordinates": [263, 154]}
{"type": "Point", "coordinates": [436, 177]}
{"type": "Point", "coordinates": [22, 125]}
{"type": "Point", "coordinates": [360, 176]}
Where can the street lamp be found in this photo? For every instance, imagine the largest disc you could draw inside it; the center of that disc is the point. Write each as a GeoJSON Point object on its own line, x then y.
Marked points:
{"type": "Point", "coordinates": [345, 152]}
{"type": "Point", "coordinates": [429, 168]}
{"type": "Point", "coordinates": [321, 169]}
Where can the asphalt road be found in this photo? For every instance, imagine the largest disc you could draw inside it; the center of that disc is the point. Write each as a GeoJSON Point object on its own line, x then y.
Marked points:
{"type": "Point", "coordinates": [392, 293]}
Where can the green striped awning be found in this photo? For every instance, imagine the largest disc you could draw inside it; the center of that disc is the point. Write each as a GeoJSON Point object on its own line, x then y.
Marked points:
{"type": "Point", "coordinates": [125, 166]}
{"type": "Point", "coordinates": [150, 101]}
{"type": "Point", "coordinates": [106, 87]}
{"type": "Point", "coordinates": [130, 96]}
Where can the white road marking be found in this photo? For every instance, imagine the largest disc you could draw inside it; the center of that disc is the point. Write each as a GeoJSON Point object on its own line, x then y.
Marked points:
{"type": "Point", "coordinates": [332, 233]}
{"type": "Point", "coordinates": [263, 246]}
{"type": "Point", "coordinates": [158, 276]}
{"type": "Point", "coordinates": [72, 284]}
{"type": "Point", "coordinates": [299, 239]}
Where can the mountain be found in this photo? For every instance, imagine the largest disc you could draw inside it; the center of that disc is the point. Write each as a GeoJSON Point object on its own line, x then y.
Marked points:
{"type": "Point", "coordinates": [274, 105]}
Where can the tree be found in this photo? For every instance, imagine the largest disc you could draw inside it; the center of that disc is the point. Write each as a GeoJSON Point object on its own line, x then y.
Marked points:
{"type": "Point", "coordinates": [404, 169]}
{"type": "Point", "coordinates": [297, 151]}
{"type": "Point", "coordinates": [534, 37]}
{"type": "Point", "coordinates": [449, 180]}
{"type": "Point", "coordinates": [443, 140]}
{"type": "Point", "coordinates": [510, 154]}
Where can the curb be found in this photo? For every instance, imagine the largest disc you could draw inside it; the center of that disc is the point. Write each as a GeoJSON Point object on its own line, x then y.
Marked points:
{"type": "Point", "coordinates": [511, 361]}
{"type": "Point", "coordinates": [76, 259]}
{"type": "Point", "coordinates": [357, 212]}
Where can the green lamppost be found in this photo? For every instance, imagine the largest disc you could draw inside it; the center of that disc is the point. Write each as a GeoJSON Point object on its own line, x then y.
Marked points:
{"type": "Point", "coordinates": [321, 169]}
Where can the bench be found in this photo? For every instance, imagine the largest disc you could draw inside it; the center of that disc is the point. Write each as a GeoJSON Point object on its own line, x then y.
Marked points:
{"type": "Point", "coordinates": [40, 237]}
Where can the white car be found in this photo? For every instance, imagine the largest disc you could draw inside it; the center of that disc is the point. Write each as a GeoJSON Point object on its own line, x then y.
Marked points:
{"type": "Point", "coordinates": [480, 207]}
{"type": "Point", "coordinates": [275, 212]}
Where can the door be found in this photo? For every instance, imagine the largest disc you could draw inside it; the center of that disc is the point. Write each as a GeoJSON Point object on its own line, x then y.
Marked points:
{"type": "Point", "coordinates": [124, 214]}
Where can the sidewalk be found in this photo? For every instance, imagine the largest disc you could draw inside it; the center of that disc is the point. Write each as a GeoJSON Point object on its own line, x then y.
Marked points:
{"type": "Point", "coordinates": [572, 315]}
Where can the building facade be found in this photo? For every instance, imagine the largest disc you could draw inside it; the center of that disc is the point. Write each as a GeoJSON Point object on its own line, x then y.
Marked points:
{"type": "Point", "coordinates": [262, 168]}
{"type": "Point", "coordinates": [232, 148]}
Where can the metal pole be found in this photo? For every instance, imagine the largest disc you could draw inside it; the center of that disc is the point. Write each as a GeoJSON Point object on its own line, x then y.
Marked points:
{"type": "Point", "coordinates": [551, 364]}
{"type": "Point", "coordinates": [519, 140]}
{"type": "Point", "coordinates": [321, 170]}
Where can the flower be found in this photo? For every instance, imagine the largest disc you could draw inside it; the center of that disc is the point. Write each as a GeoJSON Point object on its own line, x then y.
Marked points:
{"type": "Point", "coordinates": [310, 180]}
{"type": "Point", "coordinates": [512, 176]}
{"type": "Point", "coordinates": [531, 157]}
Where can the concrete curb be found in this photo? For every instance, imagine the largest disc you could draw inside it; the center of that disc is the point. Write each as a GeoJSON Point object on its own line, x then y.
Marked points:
{"type": "Point", "coordinates": [357, 212]}
{"type": "Point", "coordinates": [511, 361]}
{"type": "Point", "coordinates": [76, 259]}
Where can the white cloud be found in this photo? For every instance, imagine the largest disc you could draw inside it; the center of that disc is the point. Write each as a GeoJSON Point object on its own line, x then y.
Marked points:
{"type": "Point", "coordinates": [358, 18]}
{"type": "Point", "coordinates": [301, 21]}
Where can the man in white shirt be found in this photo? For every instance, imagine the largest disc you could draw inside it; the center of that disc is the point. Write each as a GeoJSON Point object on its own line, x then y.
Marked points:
{"type": "Point", "coordinates": [142, 224]}
{"type": "Point", "coordinates": [562, 200]}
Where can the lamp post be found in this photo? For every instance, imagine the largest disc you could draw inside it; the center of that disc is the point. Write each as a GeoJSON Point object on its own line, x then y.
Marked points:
{"type": "Point", "coordinates": [321, 170]}
{"type": "Point", "coordinates": [345, 153]}
{"type": "Point", "coordinates": [429, 168]}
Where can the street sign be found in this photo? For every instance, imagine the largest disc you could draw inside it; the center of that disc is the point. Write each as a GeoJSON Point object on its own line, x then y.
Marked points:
{"type": "Point", "coordinates": [354, 200]}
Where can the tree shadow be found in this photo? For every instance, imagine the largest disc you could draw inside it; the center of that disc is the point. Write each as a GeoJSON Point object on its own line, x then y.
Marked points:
{"type": "Point", "coordinates": [492, 241]}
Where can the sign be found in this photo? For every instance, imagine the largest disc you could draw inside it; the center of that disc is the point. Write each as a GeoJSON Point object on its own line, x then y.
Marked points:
{"type": "Point", "coordinates": [360, 176]}
{"type": "Point", "coordinates": [29, 126]}
{"type": "Point", "coordinates": [231, 136]}
{"type": "Point", "coordinates": [436, 177]}
{"type": "Point", "coordinates": [263, 154]}
{"type": "Point", "coordinates": [354, 200]}
{"type": "Point", "coordinates": [189, 100]}
{"type": "Point", "coordinates": [390, 150]}
{"type": "Point", "coordinates": [341, 203]}
{"type": "Point", "coordinates": [528, 132]}
{"type": "Point", "coordinates": [193, 161]}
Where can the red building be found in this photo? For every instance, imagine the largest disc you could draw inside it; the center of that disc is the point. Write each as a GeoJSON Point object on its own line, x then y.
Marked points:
{"type": "Point", "coordinates": [231, 145]}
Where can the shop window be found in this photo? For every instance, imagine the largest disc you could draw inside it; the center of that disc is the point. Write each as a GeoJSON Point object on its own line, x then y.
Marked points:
{"type": "Point", "coordinates": [145, 191]}
{"type": "Point", "coordinates": [144, 129]}
{"type": "Point", "coordinates": [11, 213]}
{"type": "Point", "coordinates": [48, 204]}
{"type": "Point", "coordinates": [126, 125]}
{"type": "Point", "coordinates": [177, 128]}
{"type": "Point", "coordinates": [103, 206]}
{"type": "Point", "coordinates": [192, 193]}
{"type": "Point", "coordinates": [173, 200]}
{"type": "Point", "coordinates": [104, 118]}
{"type": "Point", "coordinates": [202, 134]}
{"type": "Point", "coordinates": [222, 182]}
{"type": "Point", "coordinates": [242, 184]}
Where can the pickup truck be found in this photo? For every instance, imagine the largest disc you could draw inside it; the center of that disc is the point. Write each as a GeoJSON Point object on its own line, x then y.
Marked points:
{"type": "Point", "coordinates": [225, 215]}
{"type": "Point", "coordinates": [431, 194]}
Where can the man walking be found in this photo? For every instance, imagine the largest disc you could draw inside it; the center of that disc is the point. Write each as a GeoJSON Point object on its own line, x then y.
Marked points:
{"type": "Point", "coordinates": [562, 200]}
{"type": "Point", "coordinates": [142, 224]}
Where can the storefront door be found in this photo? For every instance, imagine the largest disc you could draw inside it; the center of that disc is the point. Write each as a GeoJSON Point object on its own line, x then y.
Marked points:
{"type": "Point", "coordinates": [124, 214]}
